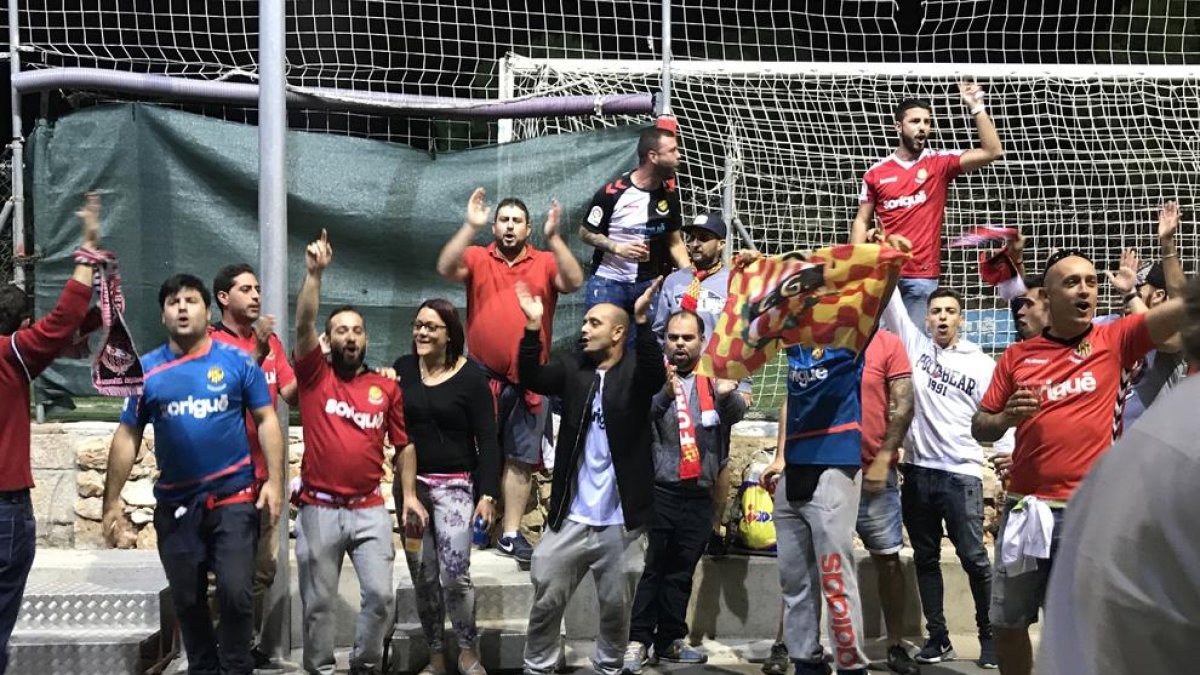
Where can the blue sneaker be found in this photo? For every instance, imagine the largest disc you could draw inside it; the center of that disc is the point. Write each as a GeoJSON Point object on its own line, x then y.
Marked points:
{"type": "Point", "coordinates": [987, 654]}
{"type": "Point", "coordinates": [515, 547]}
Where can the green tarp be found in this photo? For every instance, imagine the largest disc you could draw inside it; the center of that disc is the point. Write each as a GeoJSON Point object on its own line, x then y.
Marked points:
{"type": "Point", "coordinates": [180, 195]}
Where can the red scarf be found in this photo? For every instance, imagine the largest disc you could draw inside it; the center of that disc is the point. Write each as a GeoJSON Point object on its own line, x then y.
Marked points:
{"type": "Point", "coordinates": [689, 452]}
{"type": "Point", "coordinates": [691, 295]}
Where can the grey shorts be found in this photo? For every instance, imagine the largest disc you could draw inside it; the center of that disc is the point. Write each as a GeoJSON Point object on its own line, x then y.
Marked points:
{"type": "Point", "coordinates": [521, 430]}
{"type": "Point", "coordinates": [1016, 600]}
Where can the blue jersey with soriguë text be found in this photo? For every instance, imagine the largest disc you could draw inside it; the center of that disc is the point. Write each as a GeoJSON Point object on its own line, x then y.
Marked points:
{"type": "Point", "coordinates": [824, 407]}
{"type": "Point", "coordinates": [197, 405]}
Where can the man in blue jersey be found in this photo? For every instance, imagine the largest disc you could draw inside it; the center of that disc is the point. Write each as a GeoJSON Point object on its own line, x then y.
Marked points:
{"type": "Point", "coordinates": [817, 474]}
{"type": "Point", "coordinates": [196, 393]}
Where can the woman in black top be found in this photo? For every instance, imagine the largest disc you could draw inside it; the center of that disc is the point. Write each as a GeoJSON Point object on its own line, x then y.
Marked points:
{"type": "Point", "coordinates": [451, 421]}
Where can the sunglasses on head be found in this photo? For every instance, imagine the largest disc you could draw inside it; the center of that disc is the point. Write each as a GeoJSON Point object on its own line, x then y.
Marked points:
{"type": "Point", "coordinates": [1063, 254]}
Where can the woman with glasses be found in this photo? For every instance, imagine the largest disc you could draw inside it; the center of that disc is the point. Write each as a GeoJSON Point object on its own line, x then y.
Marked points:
{"type": "Point", "coordinates": [451, 420]}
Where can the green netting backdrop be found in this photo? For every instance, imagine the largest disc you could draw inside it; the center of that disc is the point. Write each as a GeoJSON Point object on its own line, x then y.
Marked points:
{"type": "Point", "coordinates": [180, 195]}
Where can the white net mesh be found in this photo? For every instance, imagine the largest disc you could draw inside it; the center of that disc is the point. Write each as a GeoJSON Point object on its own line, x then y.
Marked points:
{"type": "Point", "coordinates": [1088, 158]}
{"type": "Point", "coordinates": [1088, 161]}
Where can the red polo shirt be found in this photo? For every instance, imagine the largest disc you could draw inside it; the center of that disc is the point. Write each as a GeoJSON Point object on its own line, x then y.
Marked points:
{"type": "Point", "coordinates": [495, 322]}
{"type": "Point", "coordinates": [278, 372]}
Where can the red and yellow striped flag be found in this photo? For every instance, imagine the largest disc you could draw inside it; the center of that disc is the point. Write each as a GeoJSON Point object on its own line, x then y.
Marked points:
{"type": "Point", "coordinates": [832, 298]}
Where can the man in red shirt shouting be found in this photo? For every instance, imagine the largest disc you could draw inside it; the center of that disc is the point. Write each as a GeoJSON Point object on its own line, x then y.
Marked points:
{"type": "Point", "coordinates": [907, 190]}
{"type": "Point", "coordinates": [25, 351]}
{"type": "Point", "coordinates": [346, 410]}
{"type": "Point", "coordinates": [1062, 390]}
{"type": "Point", "coordinates": [237, 295]}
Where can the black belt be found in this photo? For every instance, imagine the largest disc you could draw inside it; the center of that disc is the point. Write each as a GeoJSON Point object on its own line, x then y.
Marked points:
{"type": "Point", "coordinates": [14, 496]}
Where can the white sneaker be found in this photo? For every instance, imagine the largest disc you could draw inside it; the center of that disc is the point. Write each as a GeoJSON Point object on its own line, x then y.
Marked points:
{"type": "Point", "coordinates": [635, 658]}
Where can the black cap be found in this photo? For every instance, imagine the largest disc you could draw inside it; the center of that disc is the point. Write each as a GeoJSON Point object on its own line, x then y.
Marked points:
{"type": "Point", "coordinates": [1154, 276]}
{"type": "Point", "coordinates": [712, 221]}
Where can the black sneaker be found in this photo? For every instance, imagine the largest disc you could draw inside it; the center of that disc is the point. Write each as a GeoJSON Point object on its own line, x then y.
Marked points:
{"type": "Point", "coordinates": [777, 663]}
{"type": "Point", "coordinates": [898, 661]}
{"type": "Point", "coordinates": [515, 547]}
{"type": "Point", "coordinates": [937, 649]}
{"type": "Point", "coordinates": [987, 654]}
{"type": "Point", "coordinates": [263, 662]}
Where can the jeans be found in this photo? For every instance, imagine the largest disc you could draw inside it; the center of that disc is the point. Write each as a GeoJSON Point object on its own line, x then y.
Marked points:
{"type": "Point", "coordinates": [915, 295]}
{"type": "Point", "coordinates": [18, 534]}
{"type": "Point", "coordinates": [680, 531]}
{"type": "Point", "coordinates": [1016, 600]}
{"type": "Point", "coordinates": [623, 294]}
{"type": "Point", "coordinates": [929, 498]}
{"type": "Point", "coordinates": [879, 524]}
{"type": "Point", "coordinates": [226, 536]}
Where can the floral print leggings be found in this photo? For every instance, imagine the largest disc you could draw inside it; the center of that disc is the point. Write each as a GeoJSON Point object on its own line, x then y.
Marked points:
{"type": "Point", "coordinates": [441, 572]}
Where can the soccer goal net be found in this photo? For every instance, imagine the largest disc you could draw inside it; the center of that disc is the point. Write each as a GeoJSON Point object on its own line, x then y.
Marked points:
{"type": "Point", "coordinates": [1091, 152]}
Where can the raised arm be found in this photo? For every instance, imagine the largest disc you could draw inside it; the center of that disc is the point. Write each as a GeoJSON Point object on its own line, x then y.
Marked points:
{"type": "Point", "coordinates": [570, 274]}
{"type": "Point", "coordinates": [543, 378]}
{"type": "Point", "coordinates": [1168, 224]}
{"type": "Point", "coordinates": [990, 149]}
{"type": "Point", "coordinates": [317, 257]}
{"type": "Point", "coordinates": [679, 252]}
{"type": "Point", "coordinates": [37, 346]}
{"type": "Point", "coordinates": [1124, 281]}
{"type": "Point", "coordinates": [450, 262]}
{"type": "Point", "coordinates": [651, 373]}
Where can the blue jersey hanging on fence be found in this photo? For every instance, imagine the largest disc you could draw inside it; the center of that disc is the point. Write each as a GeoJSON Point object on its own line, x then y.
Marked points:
{"type": "Point", "coordinates": [197, 405]}
{"type": "Point", "coordinates": [824, 407]}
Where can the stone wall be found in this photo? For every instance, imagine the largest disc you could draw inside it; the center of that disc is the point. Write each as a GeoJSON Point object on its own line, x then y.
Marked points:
{"type": "Point", "coordinates": [69, 461]}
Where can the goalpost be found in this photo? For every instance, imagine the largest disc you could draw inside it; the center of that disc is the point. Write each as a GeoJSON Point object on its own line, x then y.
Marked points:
{"type": "Point", "coordinates": [1091, 152]}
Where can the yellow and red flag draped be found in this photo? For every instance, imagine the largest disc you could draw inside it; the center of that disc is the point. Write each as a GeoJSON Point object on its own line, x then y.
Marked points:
{"type": "Point", "coordinates": [832, 298]}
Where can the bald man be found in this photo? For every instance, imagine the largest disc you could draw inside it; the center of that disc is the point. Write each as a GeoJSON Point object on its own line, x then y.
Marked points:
{"type": "Point", "coordinates": [1061, 391]}
{"type": "Point", "coordinates": [602, 495]}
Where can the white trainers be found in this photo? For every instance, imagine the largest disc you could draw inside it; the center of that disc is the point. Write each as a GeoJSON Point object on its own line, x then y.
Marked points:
{"type": "Point", "coordinates": [635, 657]}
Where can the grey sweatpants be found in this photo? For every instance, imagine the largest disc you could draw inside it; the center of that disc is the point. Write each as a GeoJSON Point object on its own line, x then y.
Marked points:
{"type": "Point", "coordinates": [815, 541]}
{"type": "Point", "coordinates": [324, 535]}
{"type": "Point", "coordinates": [615, 557]}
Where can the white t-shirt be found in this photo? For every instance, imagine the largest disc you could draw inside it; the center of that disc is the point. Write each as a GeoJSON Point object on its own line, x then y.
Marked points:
{"type": "Point", "coordinates": [596, 500]}
{"type": "Point", "coordinates": [948, 385]}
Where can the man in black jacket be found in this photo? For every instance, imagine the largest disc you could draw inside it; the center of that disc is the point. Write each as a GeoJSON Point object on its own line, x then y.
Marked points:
{"type": "Point", "coordinates": [602, 495]}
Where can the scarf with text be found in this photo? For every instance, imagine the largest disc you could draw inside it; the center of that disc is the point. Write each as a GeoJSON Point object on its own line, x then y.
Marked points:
{"type": "Point", "coordinates": [116, 370]}
{"type": "Point", "coordinates": [689, 452]}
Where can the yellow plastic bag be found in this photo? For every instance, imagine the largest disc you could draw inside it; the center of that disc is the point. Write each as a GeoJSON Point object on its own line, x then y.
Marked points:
{"type": "Point", "coordinates": [756, 527]}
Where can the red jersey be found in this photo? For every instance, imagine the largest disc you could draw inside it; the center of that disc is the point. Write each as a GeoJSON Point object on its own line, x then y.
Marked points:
{"type": "Point", "coordinates": [23, 355]}
{"type": "Point", "coordinates": [1080, 385]}
{"type": "Point", "coordinates": [910, 200]}
{"type": "Point", "coordinates": [344, 425]}
{"type": "Point", "coordinates": [885, 362]}
{"type": "Point", "coordinates": [495, 322]}
{"type": "Point", "coordinates": [278, 372]}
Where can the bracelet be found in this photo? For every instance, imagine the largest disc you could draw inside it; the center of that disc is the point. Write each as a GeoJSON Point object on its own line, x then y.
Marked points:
{"type": "Point", "coordinates": [1169, 255]}
{"type": "Point", "coordinates": [1128, 298]}
{"type": "Point", "coordinates": [978, 109]}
